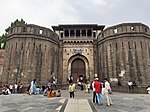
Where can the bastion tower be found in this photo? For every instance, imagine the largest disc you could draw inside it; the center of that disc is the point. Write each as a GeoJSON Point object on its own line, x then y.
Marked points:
{"type": "Point", "coordinates": [32, 52]}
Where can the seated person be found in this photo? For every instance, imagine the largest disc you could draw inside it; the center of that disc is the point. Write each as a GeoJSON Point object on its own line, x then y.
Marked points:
{"type": "Point", "coordinates": [51, 93]}
{"type": "Point", "coordinates": [59, 93]}
{"type": "Point", "coordinates": [148, 89]}
{"type": "Point", "coordinates": [46, 91]}
{"type": "Point", "coordinates": [6, 91]}
{"type": "Point", "coordinates": [28, 89]}
{"type": "Point", "coordinates": [38, 90]}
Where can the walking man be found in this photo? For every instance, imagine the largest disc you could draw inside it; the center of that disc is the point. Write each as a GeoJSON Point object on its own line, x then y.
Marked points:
{"type": "Point", "coordinates": [71, 90]}
{"type": "Point", "coordinates": [130, 84]}
{"type": "Point", "coordinates": [97, 86]}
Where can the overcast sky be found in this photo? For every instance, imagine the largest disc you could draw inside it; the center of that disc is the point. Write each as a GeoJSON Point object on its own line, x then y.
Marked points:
{"type": "Point", "coordinates": [53, 12]}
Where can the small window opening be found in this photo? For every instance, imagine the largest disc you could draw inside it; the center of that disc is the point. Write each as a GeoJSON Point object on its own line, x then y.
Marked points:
{"type": "Point", "coordinates": [145, 29]}
{"type": "Point", "coordinates": [122, 45]}
{"type": "Point", "coordinates": [116, 46]}
{"type": "Point", "coordinates": [115, 30]}
{"type": "Point", "coordinates": [129, 45]}
{"type": "Point", "coordinates": [41, 31]}
{"type": "Point", "coordinates": [132, 28]}
{"type": "Point", "coordinates": [135, 44]}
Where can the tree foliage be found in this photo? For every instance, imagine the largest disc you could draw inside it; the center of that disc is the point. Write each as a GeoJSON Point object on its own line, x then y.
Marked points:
{"type": "Point", "coordinates": [17, 22]}
{"type": "Point", "coordinates": [3, 38]}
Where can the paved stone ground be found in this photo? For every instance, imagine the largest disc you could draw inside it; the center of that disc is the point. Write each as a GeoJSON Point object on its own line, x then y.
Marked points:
{"type": "Point", "coordinates": [39, 103]}
{"type": "Point", "coordinates": [127, 103]}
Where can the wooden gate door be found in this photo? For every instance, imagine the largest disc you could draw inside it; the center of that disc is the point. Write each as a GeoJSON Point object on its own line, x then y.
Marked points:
{"type": "Point", "coordinates": [77, 69]}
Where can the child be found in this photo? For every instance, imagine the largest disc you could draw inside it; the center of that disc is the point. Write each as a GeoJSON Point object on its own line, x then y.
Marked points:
{"type": "Point", "coordinates": [86, 88]}
{"type": "Point", "coordinates": [59, 93]}
{"type": "Point", "coordinates": [89, 87]}
{"type": "Point", "coordinates": [71, 90]}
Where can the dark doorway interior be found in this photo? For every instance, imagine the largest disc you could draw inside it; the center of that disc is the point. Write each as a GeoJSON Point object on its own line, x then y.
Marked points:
{"type": "Point", "coordinates": [77, 69]}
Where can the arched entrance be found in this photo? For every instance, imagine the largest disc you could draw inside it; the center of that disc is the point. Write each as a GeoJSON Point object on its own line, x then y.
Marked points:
{"type": "Point", "coordinates": [78, 65]}
{"type": "Point", "coordinates": [78, 69]}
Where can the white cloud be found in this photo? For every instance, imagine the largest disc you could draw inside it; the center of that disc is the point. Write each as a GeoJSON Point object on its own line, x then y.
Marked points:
{"type": "Point", "coordinates": [53, 12]}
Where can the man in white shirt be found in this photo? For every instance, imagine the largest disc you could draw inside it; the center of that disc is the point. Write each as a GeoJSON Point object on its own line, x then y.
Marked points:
{"type": "Point", "coordinates": [16, 86]}
{"type": "Point", "coordinates": [130, 84]}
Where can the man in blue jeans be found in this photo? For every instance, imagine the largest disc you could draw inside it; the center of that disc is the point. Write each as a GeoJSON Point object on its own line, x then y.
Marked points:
{"type": "Point", "coordinates": [97, 86]}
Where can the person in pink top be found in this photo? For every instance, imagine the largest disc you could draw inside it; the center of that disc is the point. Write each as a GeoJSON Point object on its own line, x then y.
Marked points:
{"type": "Point", "coordinates": [97, 86]}
{"type": "Point", "coordinates": [106, 93]}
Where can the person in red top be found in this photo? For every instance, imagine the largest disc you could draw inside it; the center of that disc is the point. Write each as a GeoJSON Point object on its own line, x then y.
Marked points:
{"type": "Point", "coordinates": [97, 86]}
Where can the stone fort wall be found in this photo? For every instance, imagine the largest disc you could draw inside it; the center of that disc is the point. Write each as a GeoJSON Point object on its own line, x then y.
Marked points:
{"type": "Point", "coordinates": [31, 52]}
{"type": "Point", "coordinates": [121, 53]}
{"type": "Point", "coordinates": [124, 54]}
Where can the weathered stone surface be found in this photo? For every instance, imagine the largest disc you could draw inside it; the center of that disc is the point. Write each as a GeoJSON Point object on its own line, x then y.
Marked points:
{"type": "Point", "coordinates": [125, 47]}
{"type": "Point", "coordinates": [120, 53]}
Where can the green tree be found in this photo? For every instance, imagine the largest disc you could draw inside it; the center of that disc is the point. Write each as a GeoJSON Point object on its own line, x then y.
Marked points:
{"type": "Point", "coordinates": [3, 38]}
{"type": "Point", "coordinates": [16, 22]}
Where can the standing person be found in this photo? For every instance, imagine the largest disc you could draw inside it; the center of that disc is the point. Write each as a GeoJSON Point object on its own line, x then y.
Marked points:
{"type": "Point", "coordinates": [54, 82]}
{"type": "Point", "coordinates": [70, 79]}
{"type": "Point", "coordinates": [11, 88]}
{"type": "Point", "coordinates": [106, 92]}
{"type": "Point", "coordinates": [21, 87]}
{"type": "Point", "coordinates": [89, 87]}
{"type": "Point", "coordinates": [97, 86]}
{"type": "Point", "coordinates": [71, 90]}
{"type": "Point", "coordinates": [33, 87]}
{"type": "Point", "coordinates": [94, 94]}
{"type": "Point", "coordinates": [48, 85]}
{"type": "Point", "coordinates": [130, 84]}
{"type": "Point", "coordinates": [16, 86]}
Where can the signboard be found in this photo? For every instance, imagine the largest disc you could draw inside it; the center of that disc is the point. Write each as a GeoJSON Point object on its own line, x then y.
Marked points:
{"type": "Point", "coordinates": [76, 51]}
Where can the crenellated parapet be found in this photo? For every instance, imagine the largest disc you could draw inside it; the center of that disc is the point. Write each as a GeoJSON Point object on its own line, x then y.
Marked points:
{"type": "Point", "coordinates": [34, 30]}
{"type": "Point", "coordinates": [124, 29]}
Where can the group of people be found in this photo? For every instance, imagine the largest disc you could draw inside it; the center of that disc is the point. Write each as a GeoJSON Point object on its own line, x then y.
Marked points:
{"type": "Point", "coordinates": [98, 89]}
{"type": "Point", "coordinates": [10, 89]}
{"type": "Point", "coordinates": [45, 90]}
